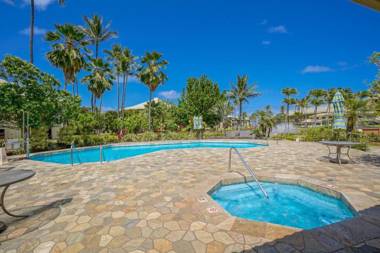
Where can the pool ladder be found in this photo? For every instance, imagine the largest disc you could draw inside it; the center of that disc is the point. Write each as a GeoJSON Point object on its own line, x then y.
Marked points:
{"type": "Point", "coordinates": [247, 167]}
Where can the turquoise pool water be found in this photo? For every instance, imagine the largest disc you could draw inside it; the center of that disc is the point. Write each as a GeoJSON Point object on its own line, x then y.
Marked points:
{"type": "Point", "coordinates": [111, 153]}
{"type": "Point", "coordinates": [289, 205]}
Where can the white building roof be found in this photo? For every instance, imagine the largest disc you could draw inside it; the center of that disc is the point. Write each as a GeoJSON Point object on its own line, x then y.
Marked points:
{"type": "Point", "coordinates": [142, 105]}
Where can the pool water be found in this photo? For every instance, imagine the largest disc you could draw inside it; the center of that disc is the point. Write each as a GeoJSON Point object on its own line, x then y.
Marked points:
{"type": "Point", "coordinates": [111, 153]}
{"type": "Point", "coordinates": [289, 205]}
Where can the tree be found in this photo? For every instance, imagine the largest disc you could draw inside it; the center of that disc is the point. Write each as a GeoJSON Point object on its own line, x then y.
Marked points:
{"type": "Point", "coordinates": [67, 51]}
{"type": "Point", "coordinates": [27, 89]}
{"type": "Point", "coordinates": [288, 100]}
{"type": "Point", "coordinates": [200, 98]}
{"type": "Point", "coordinates": [96, 32]}
{"type": "Point", "coordinates": [31, 32]}
{"type": "Point", "coordinates": [302, 104]}
{"type": "Point", "coordinates": [329, 96]}
{"type": "Point", "coordinates": [127, 68]}
{"type": "Point", "coordinates": [316, 98]}
{"type": "Point", "coordinates": [375, 86]}
{"type": "Point", "coordinates": [241, 92]}
{"type": "Point", "coordinates": [355, 106]}
{"type": "Point", "coordinates": [99, 79]}
{"type": "Point", "coordinates": [265, 121]}
{"type": "Point", "coordinates": [115, 55]}
{"type": "Point", "coordinates": [152, 76]}
{"type": "Point", "coordinates": [224, 108]}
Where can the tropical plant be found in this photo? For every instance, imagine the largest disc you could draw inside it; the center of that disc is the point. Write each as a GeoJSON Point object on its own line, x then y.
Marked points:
{"type": "Point", "coordinates": [66, 54]}
{"type": "Point", "coordinates": [240, 93]}
{"type": "Point", "coordinates": [28, 89]}
{"type": "Point", "coordinates": [355, 107]}
{"type": "Point", "coordinates": [96, 32]}
{"type": "Point", "coordinates": [288, 100]}
{"type": "Point", "coordinates": [31, 29]}
{"type": "Point", "coordinates": [329, 96]}
{"type": "Point", "coordinates": [99, 79]}
{"type": "Point", "coordinates": [316, 98]}
{"type": "Point", "coordinates": [199, 98]}
{"type": "Point", "coordinates": [151, 74]}
{"type": "Point", "coordinates": [115, 55]}
{"type": "Point", "coordinates": [127, 69]}
{"type": "Point", "coordinates": [265, 121]}
{"type": "Point", "coordinates": [224, 109]}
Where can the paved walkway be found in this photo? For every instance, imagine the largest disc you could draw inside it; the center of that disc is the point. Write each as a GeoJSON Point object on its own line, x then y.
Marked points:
{"type": "Point", "coordinates": [158, 202]}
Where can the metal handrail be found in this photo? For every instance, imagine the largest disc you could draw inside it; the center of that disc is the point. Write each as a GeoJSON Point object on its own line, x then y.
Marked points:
{"type": "Point", "coordinates": [247, 167]}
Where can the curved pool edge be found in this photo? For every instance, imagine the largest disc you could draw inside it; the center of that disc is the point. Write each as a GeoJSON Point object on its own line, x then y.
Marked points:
{"type": "Point", "coordinates": [258, 143]}
{"type": "Point", "coordinates": [319, 186]}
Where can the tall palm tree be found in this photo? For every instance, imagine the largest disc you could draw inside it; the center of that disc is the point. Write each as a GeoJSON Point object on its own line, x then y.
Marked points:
{"type": "Point", "coordinates": [355, 107]}
{"type": "Point", "coordinates": [99, 79]}
{"type": "Point", "coordinates": [31, 33]}
{"type": "Point", "coordinates": [316, 98]}
{"type": "Point", "coordinates": [68, 43]}
{"type": "Point", "coordinates": [240, 93]}
{"type": "Point", "coordinates": [302, 104]}
{"type": "Point", "coordinates": [329, 96]}
{"type": "Point", "coordinates": [288, 100]}
{"type": "Point", "coordinates": [224, 108]}
{"type": "Point", "coordinates": [151, 74]}
{"type": "Point", "coordinates": [97, 32]}
{"type": "Point", "coordinates": [115, 55]}
{"type": "Point", "coordinates": [127, 68]}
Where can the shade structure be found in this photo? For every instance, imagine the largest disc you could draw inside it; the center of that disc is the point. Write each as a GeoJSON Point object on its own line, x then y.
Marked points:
{"type": "Point", "coordinates": [339, 111]}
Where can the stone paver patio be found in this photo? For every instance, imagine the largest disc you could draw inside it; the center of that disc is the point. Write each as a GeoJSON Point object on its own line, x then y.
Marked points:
{"type": "Point", "coordinates": [158, 202]}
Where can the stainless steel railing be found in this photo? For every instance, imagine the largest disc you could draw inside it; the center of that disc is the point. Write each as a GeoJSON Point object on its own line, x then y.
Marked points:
{"type": "Point", "coordinates": [247, 167]}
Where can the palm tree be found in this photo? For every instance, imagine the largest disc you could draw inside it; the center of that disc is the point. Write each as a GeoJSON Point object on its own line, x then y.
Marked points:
{"type": "Point", "coordinates": [288, 100]}
{"type": "Point", "coordinates": [240, 93]}
{"type": "Point", "coordinates": [151, 74]}
{"type": "Point", "coordinates": [329, 96]}
{"type": "Point", "coordinates": [66, 54]}
{"type": "Point", "coordinates": [96, 32]}
{"type": "Point", "coordinates": [31, 35]}
{"type": "Point", "coordinates": [355, 107]}
{"type": "Point", "coordinates": [224, 108]}
{"type": "Point", "coordinates": [316, 98]}
{"type": "Point", "coordinates": [302, 104]}
{"type": "Point", "coordinates": [115, 55]}
{"type": "Point", "coordinates": [127, 68]}
{"type": "Point", "coordinates": [99, 79]}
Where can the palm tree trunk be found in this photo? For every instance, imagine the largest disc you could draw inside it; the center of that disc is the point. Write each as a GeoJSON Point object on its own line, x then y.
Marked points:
{"type": "Point", "coordinates": [118, 95]}
{"type": "Point", "coordinates": [315, 115]}
{"type": "Point", "coordinates": [124, 91]}
{"type": "Point", "coordinates": [240, 115]}
{"type": "Point", "coordinates": [96, 50]}
{"type": "Point", "coordinates": [328, 114]}
{"type": "Point", "coordinates": [149, 110]}
{"type": "Point", "coordinates": [31, 35]}
{"type": "Point", "coordinates": [287, 117]}
{"type": "Point", "coordinates": [100, 104]}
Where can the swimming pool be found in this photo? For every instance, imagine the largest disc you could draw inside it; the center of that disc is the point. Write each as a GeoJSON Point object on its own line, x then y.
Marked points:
{"type": "Point", "coordinates": [116, 152]}
{"type": "Point", "coordinates": [289, 205]}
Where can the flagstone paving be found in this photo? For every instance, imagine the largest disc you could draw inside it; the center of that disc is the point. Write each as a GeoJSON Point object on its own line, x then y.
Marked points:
{"type": "Point", "coordinates": [158, 202]}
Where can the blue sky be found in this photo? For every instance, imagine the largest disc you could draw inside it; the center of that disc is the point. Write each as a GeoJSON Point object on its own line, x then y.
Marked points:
{"type": "Point", "coordinates": [295, 43]}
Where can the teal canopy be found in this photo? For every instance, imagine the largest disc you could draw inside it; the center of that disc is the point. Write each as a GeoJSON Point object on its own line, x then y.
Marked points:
{"type": "Point", "coordinates": [339, 111]}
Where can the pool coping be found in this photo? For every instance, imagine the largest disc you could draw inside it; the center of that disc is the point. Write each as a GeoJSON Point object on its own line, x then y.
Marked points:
{"type": "Point", "coordinates": [272, 230]}
{"type": "Point", "coordinates": [126, 144]}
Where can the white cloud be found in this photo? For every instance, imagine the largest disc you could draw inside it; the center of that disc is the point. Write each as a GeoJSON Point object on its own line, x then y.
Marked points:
{"type": "Point", "coordinates": [266, 42]}
{"type": "Point", "coordinates": [37, 31]}
{"type": "Point", "coordinates": [316, 69]}
{"type": "Point", "coordinates": [133, 79]}
{"type": "Point", "coordinates": [169, 94]}
{"type": "Point", "coordinates": [41, 4]}
{"type": "Point", "coordinates": [278, 29]}
{"type": "Point", "coordinates": [108, 108]}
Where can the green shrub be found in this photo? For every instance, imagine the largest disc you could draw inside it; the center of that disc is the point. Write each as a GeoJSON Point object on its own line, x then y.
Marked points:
{"type": "Point", "coordinates": [39, 139]}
